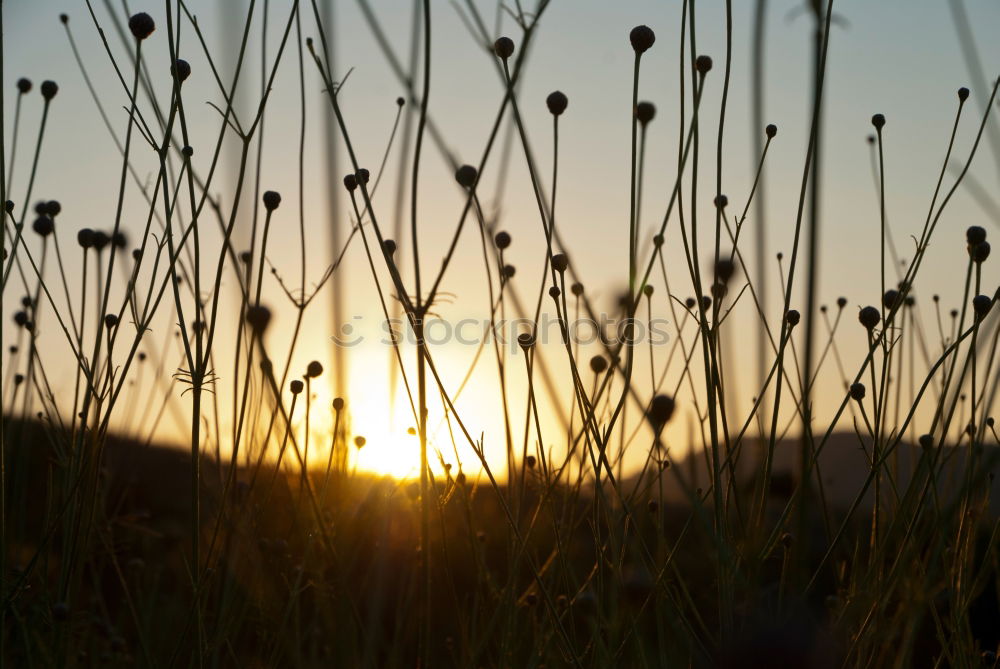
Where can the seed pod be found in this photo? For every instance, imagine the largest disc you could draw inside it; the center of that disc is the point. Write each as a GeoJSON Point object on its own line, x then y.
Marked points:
{"type": "Point", "coordinates": [556, 102]}
{"type": "Point", "coordinates": [338, 403]}
{"type": "Point", "coordinates": [466, 176]}
{"type": "Point", "coordinates": [720, 201]}
{"type": "Point", "coordinates": [526, 340]}
{"type": "Point", "coordinates": [642, 38]}
{"type": "Point", "coordinates": [314, 369]}
{"type": "Point", "coordinates": [509, 271]}
{"type": "Point", "coordinates": [645, 112]}
{"type": "Point", "coordinates": [771, 130]}
{"type": "Point", "coordinates": [890, 299]}
{"type": "Point", "coordinates": [53, 208]}
{"type": "Point", "coordinates": [792, 317]}
{"type": "Point", "coordinates": [187, 151]}
{"type": "Point", "coordinates": [110, 320]}
{"type": "Point", "coordinates": [23, 85]}
{"type": "Point", "coordinates": [857, 391]}
{"type": "Point", "coordinates": [43, 225]}
{"type": "Point", "coordinates": [598, 364]}
{"type": "Point", "coordinates": [963, 94]}
{"type": "Point", "coordinates": [661, 408]}
{"type": "Point", "coordinates": [141, 25]}
{"type": "Point", "coordinates": [878, 120]}
{"type": "Point", "coordinates": [980, 252]}
{"type": "Point", "coordinates": [258, 318]}
{"type": "Point", "coordinates": [49, 89]}
{"type": "Point", "coordinates": [296, 386]}
{"type": "Point", "coordinates": [690, 302]}
{"type": "Point", "coordinates": [560, 262]}
{"type": "Point", "coordinates": [502, 240]}
{"type": "Point", "coordinates": [975, 235]}
{"type": "Point", "coordinates": [841, 302]}
{"type": "Point", "coordinates": [577, 289]}
{"type": "Point", "coordinates": [20, 318]}
{"type": "Point", "coordinates": [8, 206]}
{"type": "Point", "coordinates": [703, 64]}
{"type": "Point", "coordinates": [724, 269]}
{"type": "Point", "coordinates": [647, 290]}
{"type": "Point", "coordinates": [869, 317]}
{"type": "Point", "coordinates": [180, 69]}
{"type": "Point", "coordinates": [350, 182]}
{"type": "Point", "coordinates": [119, 240]}
{"type": "Point", "coordinates": [504, 47]}
{"type": "Point", "coordinates": [554, 292]}
{"type": "Point", "coordinates": [363, 176]}
{"type": "Point", "coordinates": [981, 305]}
{"type": "Point", "coordinates": [389, 246]}
{"type": "Point", "coordinates": [271, 200]}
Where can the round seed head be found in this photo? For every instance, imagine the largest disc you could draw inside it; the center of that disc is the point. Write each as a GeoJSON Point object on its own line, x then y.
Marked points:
{"type": "Point", "coordinates": [271, 200]}
{"type": "Point", "coordinates": [466, 176]}
{"type": "Point", "coordinates": [110, 320]}
{"type": "Point", "coordinates": [841, 302]}
{"type": "Point", "coordinates": [526, 340]}
{"type": "Point", "coordinates": [981, 305]}
{"type": "Point", "coordinates": [296, 386]}
{"type": "Point", "coordinates": [8, 206]}
{"type": "Point", "coordinates": [338, 403]}
{"type": "Point", "coordinates": [869, 317]}
{"type": "Point", "coordinates": [560, 262]}
{"type": "Point", "coordinates": [141, 25]}
{"type": "Point", "coordinates": [359, 442]}
{"type": "Point", "coordinates": [101, 239]}
{"type": "Point", "coordinates": [857, 391]}
{"type": "Point", "coordinates": [878, 120]}
{"type": "Point", "coordinates": [350, 182]}
{"type": "Point", "coordinates": [724, 269]}
{"type": "Point", "coordinates": [363, 176]}
{"type": "Point", "coordinates": [641, 37]}
{"type": "Point", "coordinates": [690, 302]}
{"type": "Point", "coordinates": [49, 89]}
{"type": "Point", "coordinates": [21, 318]}
{"type": "Point", "coordinates": [119, 240]}
{"type": "Point", "coordinates": [598, 364]}
{"type": "Point", "coordinates": [910, 301]}
{"type": "Point", "coordinates": [792, 317]}
{"type": "Point", "coordinates": [720, 201]}
{"type": "Point", "coordinates": [18, 379]}
{"type": "Point", "coordinates": [890, 299]}
{"type": "Point", "coordinates": [23, 85]}
{"type": "Point", "coordinates": [52, 208]}
{"type": "Point", "coordinates": [660, 410]}
{"type": "Point", "coordinates": [926, 440]}
{"type": "Point", "coordinates": [647, 290]}
{"type": "Point", "coordinates": [719, 291]}
{"type": "Point", "coordinates": [180, 69]}
{"type": "Point", "coordinates": [136, 254]}
{"type": "Point", "coordinates": [187, 151]}
{"type": "Point", "coordinates": [85, 238]}
{"type": "Point", "coordinates": [658, 240]}
{"type": "Point", "coordinates": [314, 369]}
{"type": "Point", "coordinates": [975, 235]}
{"type": "Point", "coordinates": [400, 101]}
{"type": "Point", "coordinates": [509, 271]}
{"type": "Point", "coordinates": [771, 130]}
{"type": "Point", "coordinates": [703, 64]}
{"type": "Point", "coordinates": [258, 318]}
{"type": "Point", "coordinates": [554, 291]}
{"type": "Point", "coordinates": [980, 252]}
{"type": "Point", "coordinates": [245, 257]}
{"type": "Point", "coordinates": [26, 301]}
{"type": "Point", "coordinates": [43, 225]}
{"type": "Point", "coordinates": [989, 421]}
{"type": "Point", "coordinates": [963, 94]}
{"type": "Point", "coordinates": [502, 240]}
{"type": "Point", "coordinates": [577, 289]}
{"type": "Point", "coordinates": [504, 47]}
{"type": "Point", "coordinates": [389, 246]}
{"type": "Point", "coordinates": [556, 102]}
{"type": "Point", "coordinates": [645, 112]}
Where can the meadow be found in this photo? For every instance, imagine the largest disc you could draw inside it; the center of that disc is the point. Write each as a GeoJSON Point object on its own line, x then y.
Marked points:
{"type": "Point", "coordinates": [709, 460]}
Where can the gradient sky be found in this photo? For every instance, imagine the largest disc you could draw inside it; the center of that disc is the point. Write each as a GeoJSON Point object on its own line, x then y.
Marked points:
{"type": "Point", "coordinates": [902, 58]}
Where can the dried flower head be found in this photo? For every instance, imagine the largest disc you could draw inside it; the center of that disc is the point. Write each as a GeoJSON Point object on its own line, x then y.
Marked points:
{"type": "Point", "coordinates": [23, 85]}
{"type": "Point", "coordinates": [180, 69]}
{"type": "Point", "coordinates": [560, 262]}
{"type": "Point", "coordinates": [338, 403]}
{"type": "Point", "coordinates": [314, 369]}
{"type": "Point", "coordinates": [557, 102]}
{"type": "Point", "coordinates": [141, 25]}
{"type": "Point", "coordinates": [703, 64]}
{"type": "Point", "coordinates": [645, 112]}
{"type": "Point", "coordinates": [350, 182]}
{"type": "Point", "coordinates": [869, 317]}
{"type": "Point", "coordinates": [771, 130]}
{"type": "Point", "coordinates": [878, 120]}
{"type": "Point", "coordinates": [466, 176]}
{"type": "Point", "coordinates": [576, 289]}
{"type": "Point", "coordinates": [504, 47]}
{"type": "Point", "coordinates": [389, 246]}
{"type": "Point", "coordinates": [49, 89]}
{"type": "Point", "coordinates": [598, 364]}
{"type": "Point", "coordinates": [271, 200]}
{"type": "Point", "coordinates": [258, 317]}
{"type": "Point", "coordinates": [43, 225]}
{"type": "Point", "coordinates": [642, 38]}
{"type": "Point", "coordinates": [981, 305]}
{"type": "Point", "coordinates": [526, 340]}
{"type": "Point", "coordinates": [502, 240]}
{"type": "Point", "coordinates": [963, 94]}
{"type": "Point", "coordinates": [857, 391]}
{"type": "Point", "coordinates": [661, 408]}
{"type": "Point", "coordinates": [980, 252]}
{"type": "Point", "coordinates": [296, 386]}
{"type": "Point", "coordinates": [792, 317]}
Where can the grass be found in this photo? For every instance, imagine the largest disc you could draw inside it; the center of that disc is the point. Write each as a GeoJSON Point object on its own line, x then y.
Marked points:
{"type": "Point", "coordinates": [775, 540]}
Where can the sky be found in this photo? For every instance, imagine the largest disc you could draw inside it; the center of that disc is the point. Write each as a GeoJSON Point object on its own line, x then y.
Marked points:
{"type": "Point", "coordinates": [901, 58]}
